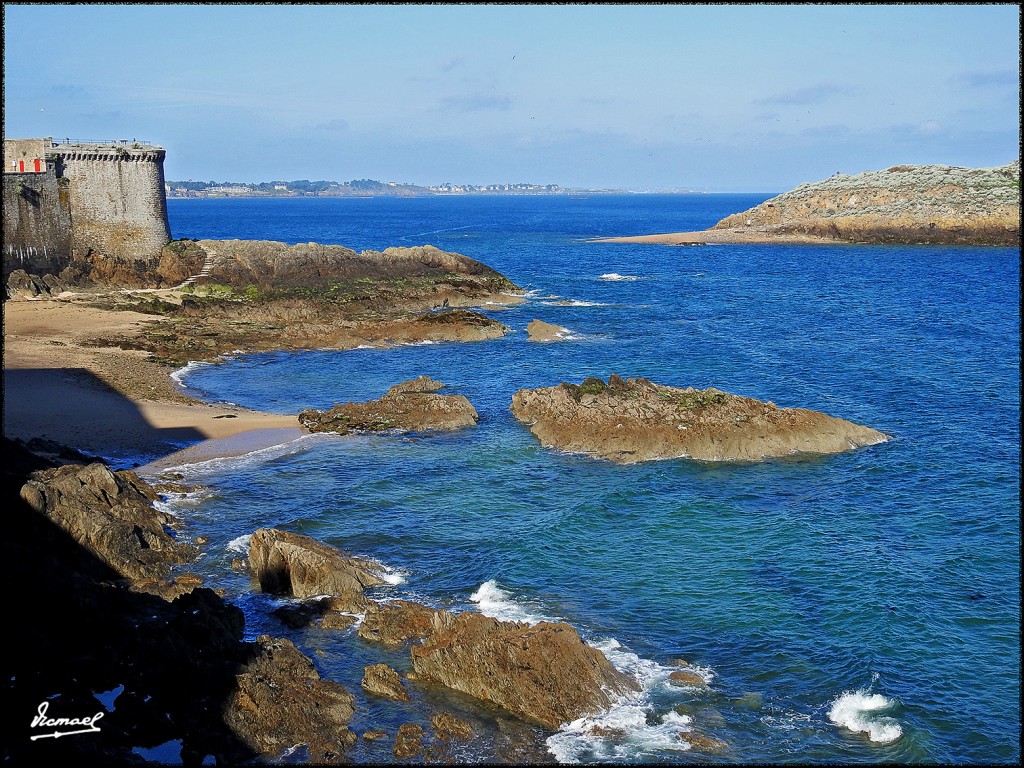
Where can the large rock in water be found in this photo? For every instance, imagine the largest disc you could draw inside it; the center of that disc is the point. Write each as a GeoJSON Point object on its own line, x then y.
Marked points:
{"type": "Point", "coordinates": [292, 564]}
{"type": "Point", "coordinates": [538, 330]}
{"type": "Point", "coordinates": [411, 406]}
{"type": "Point", "coordinates": [543, 673]}
{"type": "Point", "coordinates": [636, 420]}
{"type": "Point", "coordinates": [396, 622]}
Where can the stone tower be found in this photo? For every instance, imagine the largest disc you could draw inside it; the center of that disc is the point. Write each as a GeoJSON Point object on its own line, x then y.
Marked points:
{"type": "Point", "coordinates": [66, 200]}
{"type": "Point", "coordinates": [118, 205]}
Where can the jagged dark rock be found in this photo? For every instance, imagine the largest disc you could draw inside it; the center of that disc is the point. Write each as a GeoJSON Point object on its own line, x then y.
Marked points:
{"type": "Point", "coordinates": [111, 513]}
{"type": "Point", "coordinates": [281, 701]}
{"type": "Point", "coordinates": [21, 286]}
{"type": "Point", "coordinates": [173, 657]}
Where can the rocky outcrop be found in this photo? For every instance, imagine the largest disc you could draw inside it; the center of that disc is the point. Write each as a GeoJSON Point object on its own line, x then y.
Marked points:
{"type": "Point", "coordinates": [636, 420]}
{"type": "Point", "coordinates": [281, 701]}
{"type": "Point", "coordinates": [288, 563]}
{"type": "Point", "coordinates": [410, 406]}
{"type": "Point", "coordinates": [270, 264]}
{"type": "Point", "coordinates": [382, 680]}
{"type": "Point", "coordinates": [22, 286]}
{"type": "Point", "coordinates": [408, 741]}
{"type": "Point", "coordinates": [538, 330]}
{"type": "Point", "coordinates": [903, 204]}
{"type": "Point", "coordinates": [396, 623]}
{"type": "Point", "coordinates": [451, 727]}
{"type": "Point", "coordinates": [112, 514]}
{"type": "Point", "coordinates": [89, 543]}
{"type": "Point", "coordinates": [543, 673]}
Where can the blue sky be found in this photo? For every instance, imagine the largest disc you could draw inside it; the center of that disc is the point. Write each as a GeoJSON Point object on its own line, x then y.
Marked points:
{"type": "Point", "coordinates": [717, 98]}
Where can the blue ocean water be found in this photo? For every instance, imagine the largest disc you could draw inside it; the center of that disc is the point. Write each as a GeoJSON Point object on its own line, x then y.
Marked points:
{"type": "Point", "coordinates": [859, 608]}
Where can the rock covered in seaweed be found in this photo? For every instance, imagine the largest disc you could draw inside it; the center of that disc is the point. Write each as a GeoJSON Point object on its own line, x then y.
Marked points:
{"type": "Point", "coordinates": [412, 406]}
{"type": "Point", "coordinates": [288, 563]}
{"type": "Point", "coordinates": [637, 420]}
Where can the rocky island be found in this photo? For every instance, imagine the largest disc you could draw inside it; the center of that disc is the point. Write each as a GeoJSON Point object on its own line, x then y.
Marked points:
{"type": "Point", "coordinates": [631, 420]}
{"type": "Point", "coordinates": [412, 406]}
{"type": "Point", "coordinates": [905, 204]}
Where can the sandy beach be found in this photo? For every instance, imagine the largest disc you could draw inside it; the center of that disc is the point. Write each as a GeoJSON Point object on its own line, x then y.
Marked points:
{"type": "Point", "coordinates": [102, 400]}
{"type": "Point", "coordinates": [751, 235]}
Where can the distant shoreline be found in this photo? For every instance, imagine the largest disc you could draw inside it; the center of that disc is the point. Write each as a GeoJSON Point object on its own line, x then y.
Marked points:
{"type": "Point", "coordinates": [573, 194]}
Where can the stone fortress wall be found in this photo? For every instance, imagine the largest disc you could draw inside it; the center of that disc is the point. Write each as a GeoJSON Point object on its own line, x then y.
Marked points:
{"type": "Point", "coordinates": [80, 198]}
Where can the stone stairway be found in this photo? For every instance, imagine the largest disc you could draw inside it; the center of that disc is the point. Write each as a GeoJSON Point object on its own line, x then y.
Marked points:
{"type": "Point", "coordinates": [204, 272]}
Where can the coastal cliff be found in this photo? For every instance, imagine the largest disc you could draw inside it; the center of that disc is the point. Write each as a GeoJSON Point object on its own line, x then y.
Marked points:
{"type": "Point", "coordinates": [905, 204]}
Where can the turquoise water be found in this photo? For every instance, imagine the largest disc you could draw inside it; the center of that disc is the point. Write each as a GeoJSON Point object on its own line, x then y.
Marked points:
{"type": "Point", "coordinates": [855, 608]}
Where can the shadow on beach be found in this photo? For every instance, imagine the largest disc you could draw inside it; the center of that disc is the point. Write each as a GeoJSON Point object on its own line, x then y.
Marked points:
{"type": "Point", "coordinates": [74, 407]}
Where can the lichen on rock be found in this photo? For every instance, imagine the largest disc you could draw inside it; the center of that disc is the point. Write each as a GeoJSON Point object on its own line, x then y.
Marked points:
{"type": "Point", "coordinates": [636, 420]}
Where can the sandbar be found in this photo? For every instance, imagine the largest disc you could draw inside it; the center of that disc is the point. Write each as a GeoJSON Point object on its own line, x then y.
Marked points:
{"type": "Point", "coordinates": [739, 236]}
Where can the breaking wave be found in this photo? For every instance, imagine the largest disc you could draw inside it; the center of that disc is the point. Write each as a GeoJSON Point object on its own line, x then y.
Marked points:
{"type": "Point", "coordinates": [859, 710]}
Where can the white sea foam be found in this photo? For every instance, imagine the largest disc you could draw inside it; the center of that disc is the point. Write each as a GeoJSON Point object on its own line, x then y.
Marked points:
{"type": "Point", "coordinates": [495, 602]}
{"type": "Point", "coordinates": [219, 464]}
{"type": "Point", "coordinates": [179, 375]}
{"type": "Point", "coordinates": [393, 576]}
{"type": "Point", "coordinates": [634, 727]}
{"type": "Point", "coordinates": [615, 277]}
{"type": "Point", "coordinates": [574, 303]}
{"type": "Point", "coordinates": [857, 711]}
{"type": "Point", "coordinates": [174, 503]}
{"type": "Point", "coordinates": [240, 544]}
